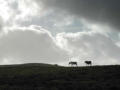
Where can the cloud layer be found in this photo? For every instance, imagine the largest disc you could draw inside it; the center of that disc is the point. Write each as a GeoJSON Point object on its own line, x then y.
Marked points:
{"type": "Point", "coordinates": [90, 46]}
{"type": "Point", "coordinates": [32, 44]}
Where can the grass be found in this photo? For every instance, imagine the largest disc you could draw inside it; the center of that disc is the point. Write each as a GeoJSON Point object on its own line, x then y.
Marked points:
{"type": "Point", "coordinates": [52, 77]}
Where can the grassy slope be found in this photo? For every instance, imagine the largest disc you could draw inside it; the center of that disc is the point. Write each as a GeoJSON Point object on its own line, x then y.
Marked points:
{"type": "Point", "coordinates": [49, 77]}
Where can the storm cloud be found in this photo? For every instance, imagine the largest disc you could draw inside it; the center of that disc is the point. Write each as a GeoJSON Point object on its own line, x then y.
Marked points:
{"type": "Point", "coordinates": [104, 12]}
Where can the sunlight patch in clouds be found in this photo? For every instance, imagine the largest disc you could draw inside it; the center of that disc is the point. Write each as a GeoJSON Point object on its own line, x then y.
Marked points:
{"type": "Point", "coordinates": [27, 8]}
{"type": "Point", "coordinates": [4, 10]}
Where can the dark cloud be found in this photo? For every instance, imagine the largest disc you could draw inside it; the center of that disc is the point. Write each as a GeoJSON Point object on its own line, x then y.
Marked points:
{"type": "Point", "coordinates": [104, 12]}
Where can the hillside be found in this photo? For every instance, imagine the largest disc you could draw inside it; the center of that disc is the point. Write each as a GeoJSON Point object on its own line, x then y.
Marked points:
{"type": "Point", "coordinates": [52, 77]}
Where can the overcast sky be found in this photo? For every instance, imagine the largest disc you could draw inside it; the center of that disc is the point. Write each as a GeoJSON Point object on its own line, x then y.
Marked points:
{"type": "Point", "coordinates": [59, 31]}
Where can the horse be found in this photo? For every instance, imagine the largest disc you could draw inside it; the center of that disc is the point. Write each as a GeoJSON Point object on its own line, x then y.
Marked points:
{"type": "Point", "coordinates": [72, 63]}
{"type": "Point", "coordinates": [88, 63]}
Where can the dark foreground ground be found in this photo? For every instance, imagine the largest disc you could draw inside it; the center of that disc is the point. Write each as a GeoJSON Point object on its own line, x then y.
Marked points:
{"type": "Point", "coordinates": [51, 77]}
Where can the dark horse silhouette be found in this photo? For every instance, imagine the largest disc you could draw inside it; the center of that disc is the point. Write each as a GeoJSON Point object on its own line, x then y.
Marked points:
{"type": "Point", "coordinates": [88, 63]}
{"type": "Point", "coordinates": [72, 63]}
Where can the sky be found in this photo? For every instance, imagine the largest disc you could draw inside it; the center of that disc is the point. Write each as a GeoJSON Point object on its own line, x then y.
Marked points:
{"type": "Point", "coordinates": [59, 31]}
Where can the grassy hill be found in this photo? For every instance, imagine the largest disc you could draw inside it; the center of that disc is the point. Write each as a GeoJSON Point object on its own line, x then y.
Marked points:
{"type": "Point", "coordinates": [52, 77]}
